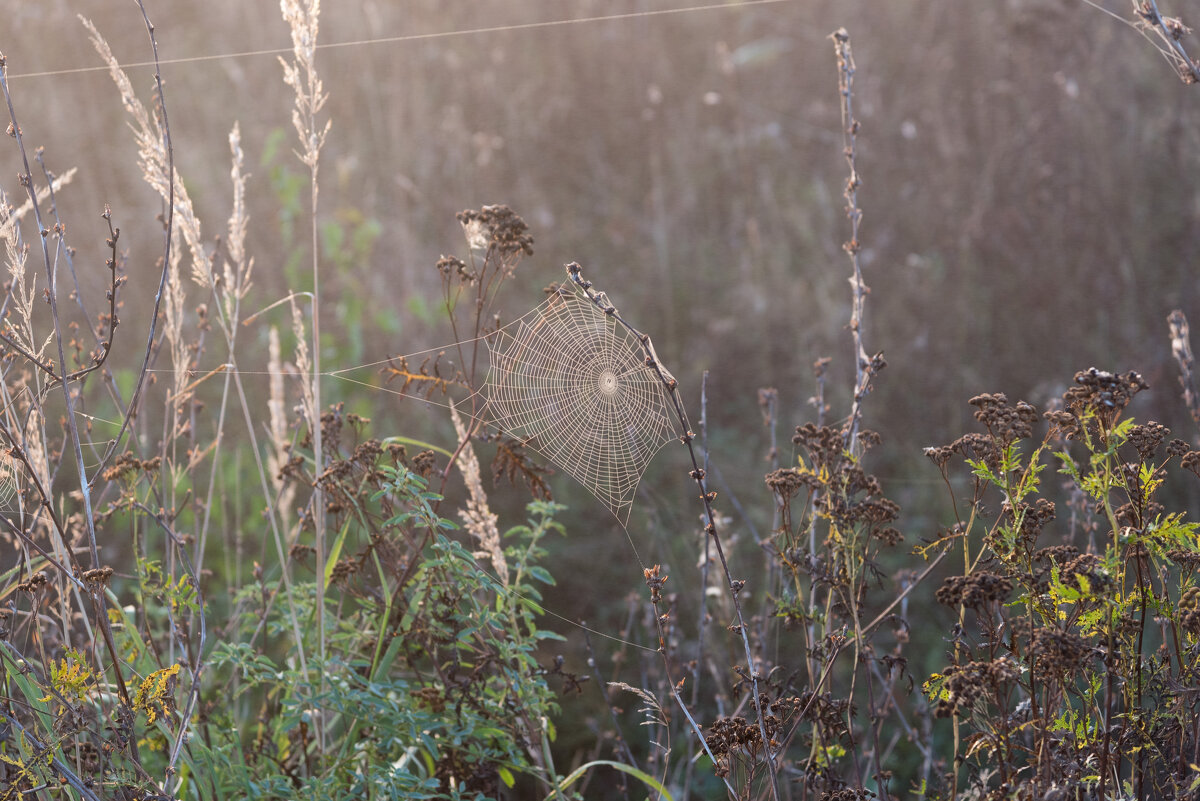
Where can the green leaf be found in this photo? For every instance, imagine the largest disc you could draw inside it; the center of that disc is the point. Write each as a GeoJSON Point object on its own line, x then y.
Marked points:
{"type": "Point", "coordinates": [644, 778]}
{"type": "Point", "coordinates": [541, 574]}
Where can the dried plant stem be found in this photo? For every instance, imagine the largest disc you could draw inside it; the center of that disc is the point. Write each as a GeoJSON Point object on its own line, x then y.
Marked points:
{"type": "Point", "coordinates": [702, 622]}
{"type": "Point", "coordinates": [1181, 349]}
{"type": "Point", "coordinates": [575, 273]}
{"type": "Point", "coordinates": [97, 596]}
{"type": "Point", "coordinates": [1169, 31]}
{"type": "Point", "coordinates": [864, 367]}
{"type": "Point", "coordinates": [164, 130]}
{"type": "Point", "coordinates": [303, 18]}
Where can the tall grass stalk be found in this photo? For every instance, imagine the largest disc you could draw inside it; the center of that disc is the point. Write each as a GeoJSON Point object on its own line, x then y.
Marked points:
{"type": "Point", "coordinates": [303, 20]}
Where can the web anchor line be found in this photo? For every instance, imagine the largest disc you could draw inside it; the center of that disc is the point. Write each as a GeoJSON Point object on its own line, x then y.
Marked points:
{"type": "Point", "coordinates": [671, 386]}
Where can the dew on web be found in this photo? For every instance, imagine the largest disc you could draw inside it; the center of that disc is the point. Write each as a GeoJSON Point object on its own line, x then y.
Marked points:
{"type": "Point", "coordinates": [570, 380]}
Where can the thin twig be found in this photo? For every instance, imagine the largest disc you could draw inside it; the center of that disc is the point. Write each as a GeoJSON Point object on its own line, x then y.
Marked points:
{"type": "Point", "coordinates": [864, 367]}
{"type": "Point", "coordinates": [1170, 31]}
{"type": "Point", "coordinates": [575, 272]}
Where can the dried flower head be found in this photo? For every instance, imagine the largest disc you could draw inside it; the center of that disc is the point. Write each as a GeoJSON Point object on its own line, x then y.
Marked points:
{"type": "Point", "coordinates": [966, 684]}
{"type": "Point", "coordinates": [1098, 395]}
{"type": "Point", "coordinates": [497, 227]}
{"type": "Point", "coordinates": [1189, 611]}
{"type": "Point", "coordinates": [974, 591]}
{"type": "Point", "coordinates": [1004, 422]}
{"type": "Point", "coordinates": [1058, 652]}
{"type": "Point", "coordinates": [1147, 438]}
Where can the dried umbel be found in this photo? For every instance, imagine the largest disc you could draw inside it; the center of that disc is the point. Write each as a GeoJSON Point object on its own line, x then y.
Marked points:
{"type": "Point", "coordinates": [1099, 395]}
{"type": "Point", "coordinates": [966, 684]}
{"type": "Point", "coordinates": [1189, 611]}
{"type": "Point", "coordinates": [1004, 422]}
{"type": "Point", "coordinates": [978, 447]}
{"type": "Point", "coordinates": [974, 591]}
{"type": "Point", "coordinates": [497, 227]}
{"type": "Point", "coordinates": [787, 481]}
{"type": "Point", "coordinates": [1027, 520]}
{"type": "Point", "coordinates": [1058, 652]}
{"type": "Point", "coordinates": [825, 444]}
{"type": "Point", "coordinates": [1147, 438]}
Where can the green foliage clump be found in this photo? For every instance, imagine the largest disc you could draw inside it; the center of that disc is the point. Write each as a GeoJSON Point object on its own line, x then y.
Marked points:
{"type": "Point", "coordinates": [430, 687]}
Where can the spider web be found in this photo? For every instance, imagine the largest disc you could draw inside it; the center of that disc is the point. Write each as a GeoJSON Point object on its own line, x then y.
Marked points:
{"type": "Point", "coordinates": [572, 381]}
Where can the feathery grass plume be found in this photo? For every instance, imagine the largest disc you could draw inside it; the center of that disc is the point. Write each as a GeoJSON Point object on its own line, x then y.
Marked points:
{"type": "Point", "coordinates": [32, 442]}
{"type": "Point", "coordinates": [43, 192]}
{"type": "Point", "coordinates": [153, 157]}
{"type": "Point", "coordinates": [308, 403]}
{"type": "Point", "coordinates": [173, 313]}
{"type": "Point", "coordinates": [20, 323]}
{"type": "Point", "coordinates": [237, 266]}
{"type": "Point", "coordinates": [303, 20]}
{"type": "Point", "coordinates": [155, 163]}
{"type": "Point", "coordinates": [277, 455]}
{"type": "Point", "coordinates": [478, 517]}
{"type": "Point", "coordinates": [1181, 349]}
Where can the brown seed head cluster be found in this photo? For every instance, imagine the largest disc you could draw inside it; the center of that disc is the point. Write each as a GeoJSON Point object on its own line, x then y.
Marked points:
{"type": "Point", "coordinates": [979, 447]}
{"type": "Point", "coordinates": [787, 481]}
{"type": "Point", "coordinates": [940, 455]}
{"type": "Point", "coordinates": [1189, 611]}
{"type": "Point", "coordinates": [1058, 652]}
{"type": "Point", "coordinates": [127, 465]}
{"type": "Point", "coordinates": [974, 591]}
{"type": "Point", "coordinates": [1191, 461]}
{"type": "Point", "coordinates": [847, 794]}
{"type": "Point", "coordinates": [343, 570]}
{"type": "Point", "coordinates": [424, 463]}
{"type": "Point", "coordinates": [1095, 392]}
{"type": "Point", "coordinates": [1004, 422]}
{"type": "Point", "coordinates": [454, 267]}
{"type": "Point", "coordinates": [1146, 439]}
{"type": "Point", "coordinates": [965, 684]}
{"type": "Point", "coordinates": [824, 443]}
{"type": "Point", "coordinates": [97, 578]}
{"type": "Point", "coordinates": [1088, 566]}
{"type": "Point", "coordinates": [505, 229]}
{"type": "Point", "coordinates": [34, 583]}
{"type": "Point", "coordinates": [730, 736]}
{"type": "Point", "coordinates": [1184, 557]}
{"type": "Point", "coordinates": [1028, 519]}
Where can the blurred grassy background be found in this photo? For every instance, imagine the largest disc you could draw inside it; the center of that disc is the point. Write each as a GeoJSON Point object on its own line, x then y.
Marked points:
{"type": "Point", "coordinates": [1028, 197]}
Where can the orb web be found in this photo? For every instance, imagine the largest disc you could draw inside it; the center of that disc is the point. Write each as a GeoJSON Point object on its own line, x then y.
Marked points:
{"type": "Point", "coordinates": [574, 383]}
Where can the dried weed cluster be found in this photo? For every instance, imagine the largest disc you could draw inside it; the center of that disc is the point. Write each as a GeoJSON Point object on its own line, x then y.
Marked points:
{"type": "Point", "coordinates": [344, 638]}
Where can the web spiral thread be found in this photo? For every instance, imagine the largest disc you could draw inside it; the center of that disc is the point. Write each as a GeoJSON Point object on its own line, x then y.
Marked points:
{"type": "Point", "coordinates": [574, 383]}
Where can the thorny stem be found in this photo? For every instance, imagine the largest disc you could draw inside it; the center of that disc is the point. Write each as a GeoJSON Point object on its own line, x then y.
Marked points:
{"type": "Point", "coordinates": [864, 367]}
{"type": "Point", "coordinates": [575, 273]}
